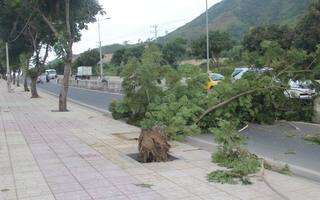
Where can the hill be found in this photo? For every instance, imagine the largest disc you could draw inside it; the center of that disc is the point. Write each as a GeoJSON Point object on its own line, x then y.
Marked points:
{"type": "Point", "coordinates": [237, 16]}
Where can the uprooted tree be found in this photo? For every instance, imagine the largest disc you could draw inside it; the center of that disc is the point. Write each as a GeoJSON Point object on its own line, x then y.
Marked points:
{"type": "Point", "coordinates": [185, 110]}
{"type": "Point", "coordinates": [153, 145]}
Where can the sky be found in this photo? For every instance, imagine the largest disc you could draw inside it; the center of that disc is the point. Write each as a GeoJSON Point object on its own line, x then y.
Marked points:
{"type": "Point", "coordinates": [131, 20]}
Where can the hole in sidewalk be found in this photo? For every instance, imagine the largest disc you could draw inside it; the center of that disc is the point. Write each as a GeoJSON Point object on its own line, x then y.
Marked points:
{"type": "Point", "coordinates": [135, 157]}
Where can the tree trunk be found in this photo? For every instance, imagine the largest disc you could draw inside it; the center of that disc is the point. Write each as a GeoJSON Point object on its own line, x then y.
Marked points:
{"type": "Point", "coordinates": [65, 81]}
{"type": "Point", "coordinates": [25, 82]}
{"type": "Point", "coordinates": [18, 78]}
{"type": "Point", "coordinates": [153, 145]}
{"type": "Point", "coordinates": [13, 77]}
{"type": "Point", "coordinates": [34, 92]}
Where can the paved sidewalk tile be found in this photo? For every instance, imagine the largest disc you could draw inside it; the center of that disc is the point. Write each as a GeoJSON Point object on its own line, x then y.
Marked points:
{"type": "Point", "coordinates": [81, 154]}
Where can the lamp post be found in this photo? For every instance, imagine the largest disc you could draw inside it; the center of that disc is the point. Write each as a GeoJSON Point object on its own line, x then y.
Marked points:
{"type": "Point", "coordinates": [207, 36]}
{"type": "Point", "coordinates": [101, 68]}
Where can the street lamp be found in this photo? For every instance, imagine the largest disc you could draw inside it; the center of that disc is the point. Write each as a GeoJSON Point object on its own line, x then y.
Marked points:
{"type": "Point", "coordinates": [101, 68]}
{"type": "Point", "coordinates": [207, 36]}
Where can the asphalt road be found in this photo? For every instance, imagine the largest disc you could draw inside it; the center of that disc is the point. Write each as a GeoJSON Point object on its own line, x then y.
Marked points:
{"type": "Point", "coordinates": [281, 142]}
{"type": "Point", "coordinates": [98, 100]}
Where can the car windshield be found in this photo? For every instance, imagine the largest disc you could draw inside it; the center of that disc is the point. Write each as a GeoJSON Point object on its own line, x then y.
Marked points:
{"type": "Point", "coordinates": [236, 72]}
{"type": "Point", "coordinates": [216, 77]}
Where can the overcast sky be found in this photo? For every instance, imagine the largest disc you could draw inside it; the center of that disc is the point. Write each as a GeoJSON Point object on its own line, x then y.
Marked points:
{"type": "Point", "coordinates": [131, 20]}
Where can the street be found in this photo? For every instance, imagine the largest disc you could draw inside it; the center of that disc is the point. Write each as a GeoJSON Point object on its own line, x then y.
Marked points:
{"type": "Point", "coordinates": [98, 100]}
{"type": "Point", "coordinates": [280, 143]}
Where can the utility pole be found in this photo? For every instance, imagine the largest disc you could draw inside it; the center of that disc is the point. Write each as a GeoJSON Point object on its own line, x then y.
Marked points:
{"type": "Point", "coordinates": [8, 70]}
{"type": "Point", "coordinates": [155, 31]}
{"type": "Point", "coordinates": [207, 32]}
{"type": "Point", "coordinates": [101, 67]}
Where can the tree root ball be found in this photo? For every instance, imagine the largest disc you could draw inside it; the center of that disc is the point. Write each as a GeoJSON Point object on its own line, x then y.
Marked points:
{"type": "Point", "coordinates": [153, 145]}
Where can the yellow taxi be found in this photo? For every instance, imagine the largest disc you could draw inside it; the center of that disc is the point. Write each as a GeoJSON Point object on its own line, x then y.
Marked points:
{"type": "Point", "coordinates": [214, 79]}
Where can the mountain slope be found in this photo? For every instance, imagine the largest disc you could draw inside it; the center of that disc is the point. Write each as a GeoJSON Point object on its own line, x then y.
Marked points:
{"type": "Point", "coordinates": [237, 16]}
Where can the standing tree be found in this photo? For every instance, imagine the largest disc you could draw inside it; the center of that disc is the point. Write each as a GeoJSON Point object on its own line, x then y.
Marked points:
{"type": "Point", "coordinates": [308, 29]}
{"type": "Point", "coordinates": [11, 33]}
{"type": "Point", "coordinates": [24, 63]}
{"type": "Point", "coordinates": [135, 51]}
{"type": "Point", "coordinates": [41, 38]}
{"type": "Point", "coordinates": [66, 18]}
{"type": "Point", "coordinates": [117, 57]}
{"type": "Point", "coordinates": [87, 58]}
{"type": "Point", "coordinates": [173, 50]}
{"type": "Point", "coordinates": [282, 34]}
{"type": "Point", "coordinates": [218, 42]}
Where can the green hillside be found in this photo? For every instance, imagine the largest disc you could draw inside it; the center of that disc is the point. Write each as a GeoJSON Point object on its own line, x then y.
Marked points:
{"type": "Point", "coordinates": [237, 16]}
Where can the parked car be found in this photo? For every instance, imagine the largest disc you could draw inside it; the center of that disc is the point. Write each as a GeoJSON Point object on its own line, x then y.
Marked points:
{"type": "Point", "coordinates": [214, 79]}
{"type": "Point", "coordinates": [238, 72]}
{"type": "Point", "coordinates": [297, 89]}
{"type": "Point", "coordinates": [300, 89]}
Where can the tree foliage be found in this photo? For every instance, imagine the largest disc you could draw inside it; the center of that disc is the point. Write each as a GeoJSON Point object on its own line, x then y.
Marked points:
{"type": "Point", "coordinates": [173, 50]}
{"type": "Point", "coordinates": [218, 42]}
{"type": "Point", "coordinates": [123, 54]}
{"type": "Point", "coordinates": [66, 19]}
{"type": "Point", "coordinates": [118, 55]}
{"type": "Point", "coordinates": [12, 25]}
{"type": "Point", "coordinates": [273, 32]}
{"type": "Point", "coordinates": [87, 58]}
{"type": "Point", "coordinates": [308, 29]}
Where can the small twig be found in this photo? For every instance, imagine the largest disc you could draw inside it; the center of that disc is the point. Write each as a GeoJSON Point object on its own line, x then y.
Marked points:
{"type": "Point", "coordinates": [267, 183]}
{"type": "Point", "coordinates": [282, 121]}
{"type": "Point", "coordinates": [243, 128]}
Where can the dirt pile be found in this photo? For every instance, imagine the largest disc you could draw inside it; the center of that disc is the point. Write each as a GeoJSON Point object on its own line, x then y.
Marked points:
{"type": "Point", "coordinates": [153, 145]}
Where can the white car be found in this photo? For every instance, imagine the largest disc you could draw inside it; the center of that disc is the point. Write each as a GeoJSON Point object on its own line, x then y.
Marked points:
{"type": "Point", "coordinates": [237, 73]}
{"type": "Point", "coordinates": [299, 89]}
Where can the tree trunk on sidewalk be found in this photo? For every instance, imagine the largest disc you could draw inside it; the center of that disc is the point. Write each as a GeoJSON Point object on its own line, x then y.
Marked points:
{"type": "Point", "coordinates": [153, 145]}
{"type": "Point", "coordinates": [66, 75]}
{"type": "Point", "coordinates": [25, 82]}
{"type": "Point", "coordinates": [18, 78]}
{"type": "Point", "coordinates": [13, 77]}
{"type": "Point", "coordinates": [34, 92]}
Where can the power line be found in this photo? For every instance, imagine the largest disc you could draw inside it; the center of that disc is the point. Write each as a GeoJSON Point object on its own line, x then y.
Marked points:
{"type": "Point", "coordinates": [23, 27]}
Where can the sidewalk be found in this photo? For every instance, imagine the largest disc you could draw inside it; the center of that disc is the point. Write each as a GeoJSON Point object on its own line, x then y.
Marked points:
{"type": "Point", "coordinates": [81, 154]}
